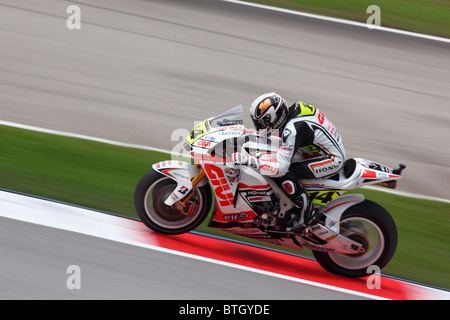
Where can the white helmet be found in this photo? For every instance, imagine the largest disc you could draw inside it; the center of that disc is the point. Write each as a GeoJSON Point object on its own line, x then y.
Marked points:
{"type": "Point", "coordinates": [269, 111]}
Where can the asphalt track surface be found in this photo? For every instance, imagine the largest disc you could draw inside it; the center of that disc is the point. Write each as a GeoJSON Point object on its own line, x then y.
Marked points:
{"type": "Point", "coordinates": [111, 270]}
{"type": "Point", "coordinates": [37, 250]}
{"type": "Point", "coordinates": [138, 70]}
{"type": "Point", "coordinates": [120, 258]}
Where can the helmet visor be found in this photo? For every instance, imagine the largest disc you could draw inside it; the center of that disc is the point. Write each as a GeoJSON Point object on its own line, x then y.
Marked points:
{"type": "Point", "coordinates": [264, 122]}
{"type": "Point", "coordinates": [265, 105]}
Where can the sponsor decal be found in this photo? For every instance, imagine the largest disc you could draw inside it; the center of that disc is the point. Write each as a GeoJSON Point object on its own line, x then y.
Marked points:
{"type": "Point", "coordinates": [204, 144]}
{"type": "Point", "coordinates": [251, 196]}
{"type": "Point", "coordinates": [281, 120]}
{"type": "Point", "coordinates": [207, 126]}
{"type": "Point", "coordinates": [306, 109]}
{"type": "Point", "coordinates": [231, 122]}
{"type": "Point", "coordinates": [183, 190]}
{"type": "Point", "coordinates": [311, 148]}
{"type": "Point", "coordinates": [259, 198]}
{"type": "Point", "coordinates": [324, 166]}
{"type": "Point", "coordinates": [325, 169]}
{"type": "Point", "coordinates": [369, 174]}
{"type": "Point", "coordinates": [258, 236]}
{"type": "Point", "coordinates": [322, 197]}
{"type": "Point", "coordinates": [236, 216]}
{"type": "Point", "coordinates": [331, 128]}
{"type": "Point", "coordinates": [269, 169]}
{"type": "Point", "coordinates": [286, 134]}
{"type": "Point", "coordinates": [233, 175]}
{"type": "Point", "coordinates": [175, 173]}
{"type": "Point", "coordinates": [209, 138]}
{"type": "Point", "coordinates": [317, 248]}
{"type": "Point", "coordinates": [321, 117]}
{"type": "Point", "coordinates": [332, 224]}
{"type": "Point", "coordinates": [220, 184]}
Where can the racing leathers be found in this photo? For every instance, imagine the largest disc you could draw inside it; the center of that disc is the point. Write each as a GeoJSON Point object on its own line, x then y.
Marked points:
{"type": "Point", "coordinates": [311, 148]}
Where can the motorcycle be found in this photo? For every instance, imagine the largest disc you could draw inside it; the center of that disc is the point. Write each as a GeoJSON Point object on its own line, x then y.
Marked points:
{"type": "Point", "coordinates": [176, 196]}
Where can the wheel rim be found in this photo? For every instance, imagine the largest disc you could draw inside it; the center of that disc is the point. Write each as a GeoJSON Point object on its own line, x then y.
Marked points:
{"type": "Point", "coordinates": [163, 215]}
{"type": "Point", "coordinates": [369, 235]}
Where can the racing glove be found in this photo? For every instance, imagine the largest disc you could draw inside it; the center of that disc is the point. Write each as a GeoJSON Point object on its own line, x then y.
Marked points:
{"type": "Point", "coordinates": [246, 160]}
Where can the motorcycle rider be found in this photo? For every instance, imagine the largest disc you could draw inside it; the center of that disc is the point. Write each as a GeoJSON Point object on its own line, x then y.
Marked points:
{"type": "Point", "coordinates": [311, 149]}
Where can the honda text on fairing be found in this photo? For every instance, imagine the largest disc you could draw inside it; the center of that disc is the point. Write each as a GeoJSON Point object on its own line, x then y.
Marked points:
{"type": "Point", "coordinates": [176, 196]}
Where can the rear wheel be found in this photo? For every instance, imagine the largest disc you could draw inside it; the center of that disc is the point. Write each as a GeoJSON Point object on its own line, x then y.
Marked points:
{"type": "Point", "coordinates": [151, 192]}
{"type": "Point", "coordinates": [372, 226]}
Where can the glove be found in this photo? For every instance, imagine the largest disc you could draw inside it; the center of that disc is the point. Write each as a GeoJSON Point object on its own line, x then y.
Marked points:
{"type": "Point", "coordinates": [243, 159]}
{"type": "Point", "coordinates": [240, 158]}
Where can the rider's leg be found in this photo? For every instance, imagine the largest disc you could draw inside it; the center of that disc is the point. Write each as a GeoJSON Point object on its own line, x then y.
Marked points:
{"type": "Point", "coordinates": [294, 190]}
{"type": "Point", "coordinates": [313, 168]}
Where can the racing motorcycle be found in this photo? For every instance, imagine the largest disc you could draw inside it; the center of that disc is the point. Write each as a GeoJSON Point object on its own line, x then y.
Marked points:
{"type": "Point", "coordinates": [176, 196]}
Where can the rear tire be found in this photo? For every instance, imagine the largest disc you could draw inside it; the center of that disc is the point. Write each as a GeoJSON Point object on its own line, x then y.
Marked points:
{"type": "Point", "coordinates": [370, 224]}
{"type": "Point", "coordinates": [149, 196]}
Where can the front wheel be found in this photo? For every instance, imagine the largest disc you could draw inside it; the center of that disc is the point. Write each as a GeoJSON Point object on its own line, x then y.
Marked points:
{"type": "Point", "coordinates": [151, 192]}
{"type": "Point", "coordinates": [371, 225]}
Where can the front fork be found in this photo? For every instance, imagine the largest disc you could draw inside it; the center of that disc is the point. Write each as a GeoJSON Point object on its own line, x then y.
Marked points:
{"type": "Point", "coordinates": [185, 206]}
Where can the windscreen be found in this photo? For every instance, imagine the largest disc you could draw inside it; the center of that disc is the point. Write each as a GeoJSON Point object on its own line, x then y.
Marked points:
{"type": "Point", "coordinates": [228, 118]}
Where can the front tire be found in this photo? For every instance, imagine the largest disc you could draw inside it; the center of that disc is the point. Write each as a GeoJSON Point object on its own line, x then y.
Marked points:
{"type": "Point", "coordinates": [149, 196]}
{"type": "Point", "coordinates": [371, 225]}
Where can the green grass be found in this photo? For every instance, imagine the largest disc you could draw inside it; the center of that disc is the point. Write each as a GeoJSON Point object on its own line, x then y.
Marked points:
{"type": "Point", "coordinates": [87, 173]}
{"type": "Point", "coordinates": [422, 16]}
{"type": "Point", "coordinates": [423, 231]}
{"type": "Point", "coordinates": [103, 177]}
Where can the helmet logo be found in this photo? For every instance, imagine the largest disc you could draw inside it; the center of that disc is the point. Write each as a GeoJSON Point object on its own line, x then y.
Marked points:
{"type": "Point", "coordinates": [264, 105]}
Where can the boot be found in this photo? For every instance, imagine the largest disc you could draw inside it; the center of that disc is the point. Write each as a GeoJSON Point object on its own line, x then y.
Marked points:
{"type": "Point", "coordinates": [307, 213]}
{"type": "Point", "coordinates": [310, 216]}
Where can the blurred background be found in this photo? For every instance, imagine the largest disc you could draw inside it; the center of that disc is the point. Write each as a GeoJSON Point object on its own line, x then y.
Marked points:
{"type": "Point", "coordinates": [138, 70]}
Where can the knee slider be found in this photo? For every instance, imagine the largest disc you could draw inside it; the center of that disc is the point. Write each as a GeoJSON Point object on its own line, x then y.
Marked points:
{"type": "Point", "coordinates": [289, 187]}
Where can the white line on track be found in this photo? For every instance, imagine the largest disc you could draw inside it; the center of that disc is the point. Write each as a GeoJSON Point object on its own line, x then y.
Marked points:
{"type": "Point", "coordinates": [337, 20]}
{"type": "Point", "coordinates": [101, 225]}
{"type": "Point", "coordinates": [136, 146]}
{"type": "Point", "coordinates": [79, 136]}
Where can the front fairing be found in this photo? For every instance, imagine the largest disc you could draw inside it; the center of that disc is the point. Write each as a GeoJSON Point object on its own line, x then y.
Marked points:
{"type": "Point", "coordinates": [210, 132]}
